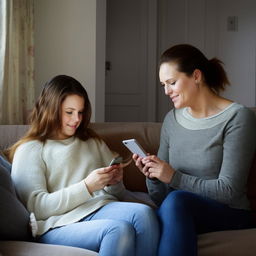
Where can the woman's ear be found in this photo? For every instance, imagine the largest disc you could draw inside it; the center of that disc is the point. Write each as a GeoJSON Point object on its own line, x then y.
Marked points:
{"type": "Point", "coordinates": [197, 75]}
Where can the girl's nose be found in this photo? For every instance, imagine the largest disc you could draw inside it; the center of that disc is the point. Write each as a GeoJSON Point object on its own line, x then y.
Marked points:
{"type": "Point", "coordinates": [76, 117]}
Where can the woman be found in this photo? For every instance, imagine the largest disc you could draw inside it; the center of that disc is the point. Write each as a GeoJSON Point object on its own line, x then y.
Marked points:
{"type": "Point", "coordinates": [62, 174]}
{"type": "Point", "coordinates": [199, 177]}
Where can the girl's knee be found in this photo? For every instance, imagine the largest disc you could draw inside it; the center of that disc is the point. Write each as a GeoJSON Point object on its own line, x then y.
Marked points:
{"type": "Point", "coordinates": [142, 209]}
{"type": "Point", "coordinates": [122, 228]}
{"type": "Point", "coordinates": [119, 239]}
{"type": "Point", "coordinates": [145, 213]}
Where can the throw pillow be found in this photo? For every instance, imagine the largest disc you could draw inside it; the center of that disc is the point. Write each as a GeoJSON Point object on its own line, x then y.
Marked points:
{"type": "Point", "coordinates": [4, 161]}
{"type": "Point", "coordinates": [14, 218]}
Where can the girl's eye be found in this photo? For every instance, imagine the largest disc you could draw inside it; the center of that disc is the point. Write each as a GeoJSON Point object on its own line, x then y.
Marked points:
{"type": "Point", "coordinates": [173, 83]}
{"type": "Point", "coordinates": [80, 113]}
{"type": "Point", "coordinates": [69, 113]}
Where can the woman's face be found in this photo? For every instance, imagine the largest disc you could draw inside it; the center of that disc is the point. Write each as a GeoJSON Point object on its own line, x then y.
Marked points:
{"type": "Point", "coordinates": [71, 115]}
{"type": "Point", "coordinates": [178, 86]}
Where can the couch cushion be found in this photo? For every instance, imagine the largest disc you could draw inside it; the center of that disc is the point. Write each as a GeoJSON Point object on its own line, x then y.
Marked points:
{"type": "Point", "coordinates": [4, 161]}
{"type": "Point", "coordinates": [230, 242]}
{"type": "Point", "coordinates": [15, 248]}
{"type": "Point", "coordinates": [14, 217]}
{"type": "Point", "coordinates": [251, 193]}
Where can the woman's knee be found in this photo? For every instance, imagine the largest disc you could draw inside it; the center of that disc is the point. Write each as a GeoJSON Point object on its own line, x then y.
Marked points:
{"type": "Point", "coordinates": [177, 200]}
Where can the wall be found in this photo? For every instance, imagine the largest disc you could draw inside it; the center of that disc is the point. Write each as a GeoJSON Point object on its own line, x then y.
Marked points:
{"type": "Point", "coordinates": [68, 36]}
{"type": "Point", "coordinates": [238, 49]}
{"type": "Point", "coordinates": [70, 39]}
{"type": "Point", "coordinates": [203, 23]}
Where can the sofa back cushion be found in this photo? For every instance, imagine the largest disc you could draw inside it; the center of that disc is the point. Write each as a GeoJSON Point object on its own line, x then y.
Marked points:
{"type": "Point", "coordinates": [148, 135]}
{"type": "Point", "coordinates": [14, 218]}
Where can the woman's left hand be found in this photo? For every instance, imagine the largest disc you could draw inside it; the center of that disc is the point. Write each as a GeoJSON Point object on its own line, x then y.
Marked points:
{"type": "Point", "coordinates": [157, 168]}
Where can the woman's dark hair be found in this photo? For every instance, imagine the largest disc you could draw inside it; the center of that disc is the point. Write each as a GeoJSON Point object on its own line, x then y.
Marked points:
{"type": "Point", "coordinates": [188, 58]}
{"type": "Point", "coordinates": [45, 119]}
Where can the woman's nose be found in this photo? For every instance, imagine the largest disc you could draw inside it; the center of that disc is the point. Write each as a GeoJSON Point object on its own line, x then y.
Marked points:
{"type": "Point", "coordinates": [167, 89]}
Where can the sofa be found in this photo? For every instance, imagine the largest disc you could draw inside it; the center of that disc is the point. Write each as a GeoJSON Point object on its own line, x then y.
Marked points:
{"type": "Point", "coordinates": [231, 242]}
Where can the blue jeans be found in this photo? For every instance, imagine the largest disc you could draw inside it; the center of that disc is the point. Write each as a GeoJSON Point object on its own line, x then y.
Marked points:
{"type": "Point", "coordinates": [183, 215]}
{"type": "Point", "coordinates": [118, 228]}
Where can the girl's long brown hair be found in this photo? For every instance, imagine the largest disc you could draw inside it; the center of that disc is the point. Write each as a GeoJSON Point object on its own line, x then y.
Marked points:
{"type": "Point", "coordinates": [45, 119]}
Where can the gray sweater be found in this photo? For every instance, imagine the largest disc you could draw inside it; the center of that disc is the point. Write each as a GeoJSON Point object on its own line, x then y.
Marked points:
{"type": "Point", "coordinates": [212, 156]}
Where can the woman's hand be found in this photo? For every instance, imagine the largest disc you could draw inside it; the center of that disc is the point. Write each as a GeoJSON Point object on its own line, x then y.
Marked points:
{"type": "Point", "coordinates": [153, 167]}
{"type": "Point", "coordinates": [138, 162]}
{"type": "Point", "coordinates": [102, 177]}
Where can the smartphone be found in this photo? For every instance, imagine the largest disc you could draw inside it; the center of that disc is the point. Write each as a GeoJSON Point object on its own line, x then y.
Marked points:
{"type": "Point", "coordinates": [116, 160]}
{"type": "Point", "coordinates": [135, 147]}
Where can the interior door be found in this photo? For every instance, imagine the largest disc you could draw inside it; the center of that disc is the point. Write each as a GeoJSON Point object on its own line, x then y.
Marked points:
{"type": "Point", "coordinates": [131, 60]}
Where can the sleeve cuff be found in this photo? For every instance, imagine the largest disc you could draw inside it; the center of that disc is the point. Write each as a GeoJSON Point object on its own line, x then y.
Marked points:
{"type": "Point", "coordinates": [176, 179]}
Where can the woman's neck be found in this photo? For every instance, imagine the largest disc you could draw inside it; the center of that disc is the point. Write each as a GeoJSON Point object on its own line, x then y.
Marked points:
{"type": "Point", "coordinates": [207, 104]}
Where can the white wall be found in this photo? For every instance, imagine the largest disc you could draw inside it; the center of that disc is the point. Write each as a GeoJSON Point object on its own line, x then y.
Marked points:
{"type": "Point", "coordinates": [70, 39]}
{"type": "Point", "coordinates": [203, 23]}
{"type": "Point", "coordinates": [238, 49]}
{"type": "Point", "coordinates": [66, 42]}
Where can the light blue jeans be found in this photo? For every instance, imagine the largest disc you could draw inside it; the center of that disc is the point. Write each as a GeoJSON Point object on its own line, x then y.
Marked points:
{"type": "Point", "coordinates": [117, 229]}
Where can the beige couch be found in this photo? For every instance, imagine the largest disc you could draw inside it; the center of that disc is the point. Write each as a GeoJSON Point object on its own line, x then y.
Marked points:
{"type": "Point", "coordinates": [226, 243]}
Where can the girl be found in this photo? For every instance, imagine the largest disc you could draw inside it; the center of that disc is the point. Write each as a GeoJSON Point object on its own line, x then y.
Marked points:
{"type": "Point", "coordinates": [62, 174]}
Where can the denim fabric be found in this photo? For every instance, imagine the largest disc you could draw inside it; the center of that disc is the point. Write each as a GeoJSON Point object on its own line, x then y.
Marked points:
{"type": "Point", "coordinates": [183, 215]}
{"type": "Point", "coordinates": [117, 229]}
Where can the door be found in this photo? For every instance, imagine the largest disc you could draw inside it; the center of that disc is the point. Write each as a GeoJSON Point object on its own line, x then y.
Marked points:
{"type": "Point", "coordinates": [131, 60]}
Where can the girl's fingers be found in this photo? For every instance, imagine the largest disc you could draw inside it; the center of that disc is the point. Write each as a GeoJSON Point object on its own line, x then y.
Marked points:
{"type": "Point", "coordinates": [106, 169]}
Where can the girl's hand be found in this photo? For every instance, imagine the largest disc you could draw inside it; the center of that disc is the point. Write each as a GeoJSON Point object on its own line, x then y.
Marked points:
{"type": "Point", "coordinates": [118, 175]}
{"type": "Point", "coordinates": [101, 177]}
{"type": "Point", "coordinates": [157, 168]}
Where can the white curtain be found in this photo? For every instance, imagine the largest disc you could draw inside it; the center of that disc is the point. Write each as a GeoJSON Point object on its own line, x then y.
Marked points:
{"type": "Point", "coordinates": [17, 92]}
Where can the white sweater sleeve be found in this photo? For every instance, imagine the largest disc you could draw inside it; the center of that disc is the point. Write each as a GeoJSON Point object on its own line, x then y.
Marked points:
{"type": "Point", "coordinates": [28, 173]}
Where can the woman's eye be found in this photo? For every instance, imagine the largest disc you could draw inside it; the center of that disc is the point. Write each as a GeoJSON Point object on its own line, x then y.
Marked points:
{"type": "Point", "coordinates": [173, 83]}
{"type": "Point", "coordinates": [69, 113]}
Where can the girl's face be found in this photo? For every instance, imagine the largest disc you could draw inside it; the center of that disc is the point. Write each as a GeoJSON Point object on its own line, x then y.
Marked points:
{"type": "Point", "coordinates": [181, 88]}
{"type": "Point", "coordinates": [71, 115]}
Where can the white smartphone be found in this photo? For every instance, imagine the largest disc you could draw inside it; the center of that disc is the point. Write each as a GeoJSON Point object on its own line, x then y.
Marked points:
{"type": "Point", "coordinates": [116, 160]}
{"type": "Point", "coordinates": [135, 147]}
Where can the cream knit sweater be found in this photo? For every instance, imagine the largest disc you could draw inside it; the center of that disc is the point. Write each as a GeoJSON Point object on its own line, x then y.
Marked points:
{"type": "Point", "coordinates": [49, 180]}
